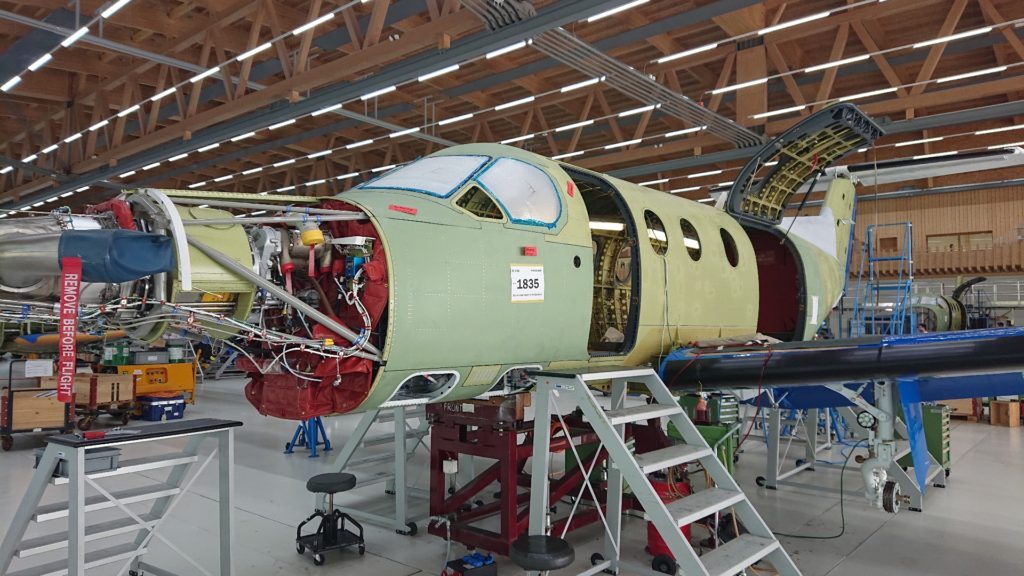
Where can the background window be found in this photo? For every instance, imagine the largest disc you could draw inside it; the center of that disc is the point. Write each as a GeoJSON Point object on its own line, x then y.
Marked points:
{"type": "Point", "coordinates": [731, 253]}
{"type": "Point", "coordinates": [690, 239]}
{"type": "Point", "coordinates": [526, 192]}
{"type": "Point", "coordinates": [477, 202]}
{"type": "Point", "coordinates": [960, 242]}
{"type": "Point", "coordinates": [656, 233]}
{"type": "Point", "coordinates": [888, 244]}
{"type": "Point", "coordinates": [436, 175]}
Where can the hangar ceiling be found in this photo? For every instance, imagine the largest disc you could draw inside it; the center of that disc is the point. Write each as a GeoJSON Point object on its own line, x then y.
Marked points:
{"type": "Point", "coordinates": [311, 96]}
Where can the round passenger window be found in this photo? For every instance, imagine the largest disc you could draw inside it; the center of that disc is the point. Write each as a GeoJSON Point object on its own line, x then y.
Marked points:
{"type": "Point", "coordinates": [690, 239]}
{"type": "Point", "coordinates": [656, 233]}
{"type": "Point", "coordinates": [731, 253]}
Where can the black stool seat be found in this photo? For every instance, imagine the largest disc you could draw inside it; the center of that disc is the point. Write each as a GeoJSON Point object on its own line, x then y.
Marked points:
{"type": "Point", "coordinates": [331, 483]}
{"type": "Point", "coordinates": [542, 553]}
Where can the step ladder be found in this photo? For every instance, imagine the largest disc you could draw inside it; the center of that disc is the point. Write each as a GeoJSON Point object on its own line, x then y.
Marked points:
{"type": "Point", "coordinates": [609, 423]}
{"type": "Point", "coordinates": [69, 547]}
{"type": "Point", "coordinates": [895, 295]}
{"type": "Point", "coordinates": [370, 466]}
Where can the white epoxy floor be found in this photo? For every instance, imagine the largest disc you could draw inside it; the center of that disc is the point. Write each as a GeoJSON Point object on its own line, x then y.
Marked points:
{"type": "Point", "coordinates": [975, 526]}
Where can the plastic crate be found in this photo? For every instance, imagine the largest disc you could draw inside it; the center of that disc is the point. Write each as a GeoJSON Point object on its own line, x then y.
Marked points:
{"type": "Point", "coordinates": [157, 409]}
{"type": "Point", "coordinates": [96, 460]}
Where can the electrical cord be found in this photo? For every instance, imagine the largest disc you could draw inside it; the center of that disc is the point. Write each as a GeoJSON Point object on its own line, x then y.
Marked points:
{"type": "Point", "coordinates": [842, 507]}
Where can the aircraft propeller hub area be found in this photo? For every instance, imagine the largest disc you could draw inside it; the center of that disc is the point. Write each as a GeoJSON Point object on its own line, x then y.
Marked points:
{"type": "Point", "coordinates": [509, 286]}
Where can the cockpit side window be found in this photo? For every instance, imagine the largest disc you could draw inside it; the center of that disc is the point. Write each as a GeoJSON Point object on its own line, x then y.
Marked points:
{"type": "Point", "coordinates": [527, 193]}
{"type": "Point", "coordinates": [478, 203]}
{"type": "Point", "coordinates": [436, 175]}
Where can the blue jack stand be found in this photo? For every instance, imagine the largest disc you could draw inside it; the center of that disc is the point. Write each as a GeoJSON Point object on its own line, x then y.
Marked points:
{"type": "Point", "coordinates": [306, 436]}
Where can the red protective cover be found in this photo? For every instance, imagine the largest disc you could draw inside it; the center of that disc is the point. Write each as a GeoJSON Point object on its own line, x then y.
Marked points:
{"type": "Point", "coordinates": [343, 383]}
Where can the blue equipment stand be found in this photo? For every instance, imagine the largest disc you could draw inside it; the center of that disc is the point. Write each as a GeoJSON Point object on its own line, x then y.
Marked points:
{"type": "Point", "coordinates": [308, 434]}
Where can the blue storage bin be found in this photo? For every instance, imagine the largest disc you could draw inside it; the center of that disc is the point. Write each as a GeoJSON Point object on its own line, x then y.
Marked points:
{"type": "Point", "coordinates": [157, 409]}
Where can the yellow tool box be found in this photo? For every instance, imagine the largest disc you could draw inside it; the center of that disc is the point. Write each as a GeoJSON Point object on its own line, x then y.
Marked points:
{"type": "Point", "coordinates": [174, 377]}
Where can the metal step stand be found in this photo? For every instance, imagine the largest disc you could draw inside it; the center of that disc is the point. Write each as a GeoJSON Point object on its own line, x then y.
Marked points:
{"type": "Point", "coordinates": [803, 429]}
{"type": "Point", "coordinates": [374, 467]}
{"type": "Point", "coordinates": [733, 557]}
{"type": "Point", "coordinates": [69, 547]}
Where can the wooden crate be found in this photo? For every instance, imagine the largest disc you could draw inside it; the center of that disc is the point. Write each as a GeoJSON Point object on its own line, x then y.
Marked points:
{"type": "Point", "coordinates": [110, 388]}
{"type": "Point", "coordinates": [33, 408]}
{"type": "Point", "coordinates": [1005, 413]}
{"type": "Point", "coordinates": [962, 407]}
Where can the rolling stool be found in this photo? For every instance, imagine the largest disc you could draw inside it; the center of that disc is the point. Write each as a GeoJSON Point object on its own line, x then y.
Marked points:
{"type": "Point", "coordinates": [541, 553]}
{"type": "Point", "coordinates": [331, 534]}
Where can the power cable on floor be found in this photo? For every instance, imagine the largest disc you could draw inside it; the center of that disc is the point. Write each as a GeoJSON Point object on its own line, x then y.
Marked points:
{"type": "Point", "coordinates": [842, 507]}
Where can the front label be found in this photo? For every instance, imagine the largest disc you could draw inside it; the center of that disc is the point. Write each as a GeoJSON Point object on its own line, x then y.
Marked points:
{"type": "Point", "coordinates": [71, 279]}
{"type": "Point", "coordinates": [527, 283]}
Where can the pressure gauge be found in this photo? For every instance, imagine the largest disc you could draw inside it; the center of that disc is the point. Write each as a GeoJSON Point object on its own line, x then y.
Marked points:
{"type": "Point", "coordinates": [866, 420]}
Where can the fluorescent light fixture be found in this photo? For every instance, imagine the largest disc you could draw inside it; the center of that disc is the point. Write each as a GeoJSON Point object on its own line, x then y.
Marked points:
{"type": "Point", "coordinates": [951, 37]}
{"type": "Point", "coordinates": [284, 162]}
{"type": "Point", "coordinates": [867, 94]}
{"type": "Point", "coordinates": [82, 189]}
{"type": "Point", "coordinates": [243, 136]}
{"type": "Point", "coordinates": [610, 226]}
{"type": "Point", "coordinates": [358, 144]}
{"type": "Point", "coordinates": [622, 144]}
{"type": "Point", "coordinates": [98, 125]}
{"type": "Point", "coordinates": [729, 183]}
{"type": "Point", "coordinates": [31, 158]}
{"type": "Point", "coordinates": [209, 147]}
{"type": "Point", "coordinates": [779, 112]}
{"type": "Point", "coordinates": [316, 182]}
{"type": "Point", "coordinates": [791, 23]}
{"type": "Point", "coordinates": [253, 52]}
{"type": "Point", "coordinates": [921, 141]}
{"type": "Point", "coordinates": [639, 110]}
{"type": "Point", "coordinates": [739, 86]}
{"type": "Point", "coordinates": [383, 168]}
{"type": "Point", "coordinates": [40, 62]}
{"type": "Point", "coordinates": [126, 174]}
{"type": "Point", "coordinates": [617, 9]}
{"type": "Point", "coordinates": [518, 138]}
{"type": "Point", "coordinates": [1013, 145]}
{"type": "Point", "coordinates": [37, 204]}
{"type": "Point", "coordinates": [376, 93]}
{"type": "Point", "coordinates": [862, 150]}
{"type": "Point", "coordinates": [526, 100]}
{"type": "Point", "coordinates": [281, 124]}
{"type": "Point", "coordinates": [48, 149]}
{"type": "Point", "coordinates": [163, 94]}
{"type": "Point", "coordinates": [223, 178]}
{"type": "Point", "coordinates": [657, 235]}
{"type": "Point", "coordinates": [653, 182]}
{"type": "Point", "coordinates": [285, 189]}
{"type": "Point", "coordinates": [440, 72]}
{"type": "Point", "coordinates": [178, 157]}
{"type": "Point", "coordinates": [995, 70]}
{"type": "Point", "coordinates": [330, 108]}
{"type": "Point", "coordinates": [837, 63]}
{"type": "Point", "coordinates": [203, 206]}
{"type": "Point", "coordinates": [150, 166]}
{"type": "Point", "coordinates": [772, 163]}
{"type": "Point", "coordinates": [74, 37]}
{"type": "Point", "coordinates": [51, 199]}
{"type": "Point", "coordinates": [685, 131]}
{"type": "Point", "coordinates": [6, 169]}
{"type": "Point", "coordinates": [258, 212]}
{"type": "Point", "coordinates": [685, 53]}
{"type": "Point", "coordinates": [72, 138]}
{"type": "Point", "coordinates": [10, 84]}
{"type": "Point", "coordinates": [347, 176]}
{"type": "Point", "coordinates": [114, 8]}
{"type": "Point", "coordinates": [455, 119]}
{"type": "Point", "coordinates": [995, 130]}
{"type": "Point", "coordinates": [574, 125]}
{"type": "Point", "coordinates": [506, 49]}
{"type": "Point", "coordinates": [202, 75]}
{"type": "Point", "coordinates": [579, 85]}
{"type": "Point", "coordinates": [403, 132]}
{"type": "Point", "coordinates": [706, 200]}
{"type": "Point", "coordinates": [319, 154]}
{"type": "Point", "coordinates": [567, 155]}
{"type": "Point", "coordinates": [935, 155]}
{"type": "Point", "coordinates": [702, 174]}
{"type": "Point", "coordinates": [687, 189]}
{"type": "Point", "coordinates": [313, 24]}
{"type": "Point", "coordinates": [128, 110]}
{"type": "Point", "coordinates": [251, 171]}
